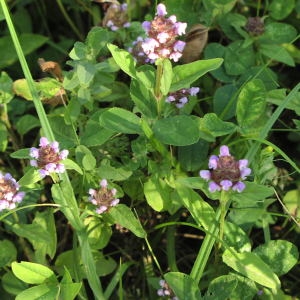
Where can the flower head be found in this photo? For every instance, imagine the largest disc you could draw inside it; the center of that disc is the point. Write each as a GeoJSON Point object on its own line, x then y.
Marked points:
{"type": "Point", "coordinates": [48, 157]}
{"type": "Point", "coordinates": [116, 17]}
{"type": "Point", "coordinates": [179, 98]}
{"type": "Point", "coordinates": [162, 33]}
{"type": "Point", "coordinates": [165, 290]}
{"type": "Point", "coordinates": [226, 172]}
{"type": "Point", "coordinates": [103, 197]}
{"type": "Point", "coordinates": [9, 192]}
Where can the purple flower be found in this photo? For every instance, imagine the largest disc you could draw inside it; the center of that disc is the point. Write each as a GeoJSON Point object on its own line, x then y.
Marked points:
{"type": "Point", "coordinates": [103, 197]}
{"type": "Point", "coordinates": [162, 33]}
{"type": "Point", "coordinates": [116, 17]}
{"type": "Point", "coordinates": [180, 97]}
{"type": "Point", "coordinates": [225, 172]}
{"type": "Point", "coordinates": [48, 157]}
{"type": "Point", "coordinates": [9, 192]}
{"type": "Point", "coordinates": [165, 290]}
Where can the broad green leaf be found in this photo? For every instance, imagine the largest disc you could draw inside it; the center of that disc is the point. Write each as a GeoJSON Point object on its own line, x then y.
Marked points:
{"type": "Point", "coordinates": [12, 284]}
{"type": "Point", "coordinates": [191, 157]}
{"type": "Point", "coordinates": [33, 273]}
{"type": "Point", "coordinates": [215, 50]}
{"type": "Point", "coordinates": [278, 53]}
{"type": "Point", "coordinates": [85, 72]}
{"type": "Point", "coordinates": [235, 237]}
{"type": "Point", "coordinates": [184, 287]}
{"type": "Point", "coordinates": [143, 98]}
{"type": "Point", "coordinates": [123, 215]}
{"type": "Point", "coordinates": [221, 288]}
{"type": "Point", "coordinates": [178, 130]}
{"type": "Point", "coordinates": [79, 51]}
{"type": "Point", "coordinates": [167, 75]}
{"type": "Point", "coordinates": [30, 177]}
{"type": "Point", "coordinates": [85, 157]}
{"type": "Point", "coordinates": [29, 42]}
{"type": "Point", "coordinates": [121, 120]}
{"type": "Point", "coordinates": [42, 291]}
{"type": "Point", "coordinates": [213, 126]}
{"type": "Point", "coordinates": [251, 106]}
{"type": "Point", "coordinates": [238, 58]}
{"type": "Point", "coordinates": [68, 288]}
{"type": "Point", "coordinates": [48, 88]}
{"type": "Point", "coordinates": [251, 266]}
{"type": "Point", "coordinates": [26, 123]}
{"type": "Point", "coordinates": [224, 101]}
{"type": "Point", "coordinates": [200, 210]}
{"type": "Point", "coordinates": [185, 75]}
{"type": "Point", "coordinates": [157, 193]}
{"type": "Point", "coordinates": [278, 33]}
{"type": "Point", "coordinates": [124, 60]}
{"type": "Point", "coordinates": [280, 255]}
{"type": "Point", "coordinates": [112, 173]}
{"type": "Point", "coordinates": [21, 154]}
{"type": "Point", "coordinates": [292, 202]}
{"type": "Point", "coordinates": [6, 91]}
{"type": "Point", "coordinates": [8, 253]}
{"type": "Point", "coordinates": [280, 9]}
{"type": "Point", "coordinates": [71, 165]}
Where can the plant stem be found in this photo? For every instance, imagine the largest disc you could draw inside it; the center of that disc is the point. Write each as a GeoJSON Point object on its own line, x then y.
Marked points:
{"type": "Point", "coordinates": [223, 203]}
{"type": "Point", "coordinates": [157, 92]}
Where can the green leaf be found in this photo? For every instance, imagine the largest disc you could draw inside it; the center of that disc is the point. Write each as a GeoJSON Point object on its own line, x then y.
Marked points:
{"type": "Point", "coordinates": [71, 165]}
{"type": "Point", "coordinates": [3, 137]}
{"type": "Point", "coordinates": [221, 288]}
{"type": "Point", "coordinates": [251, 266]}
{"type": "Point", "coordinates": [167, 75]}
{"type": "Point", "coordinates": [185, 75]}
{"type": "Point", "coordinates": [144, 99]}
{"type": "Point", "coordinates": [278, 33]}
{"type": "Point", "coordinates": [26, 123]}
{"type": "Point", "coordinates": [12, 284]}
{"type": "Point", "coordinates": [183, 286]}
{"type": "Point", "coordinates": [238, 58]}
{"type": "Point", "coordinates": [29, 42]}
{"type": "Point", "coordinates": [32, 273]}
{"type": "Point", "coordinates": [123, 215]}
{"type": "Point", "coordinates": [30, 177]}
{"type": "Point", "coordinates": [211, 125]}
{"type": "Point", "coordinates": [124, 60]}
{"type": "Point", "coordinates": [251, 106]}
{"type": "Point", "coordinates": [42, 291]}
{"type": "Point", "coordinates": [246, 288]}
{"type": "Point", "coordinates": [278, 53]}
{"type": "Point", "coordinates": [21, 154]}
{"type": "Point", "coordinates": [280, 255]}
{"type": "Point", "coordinates": [191, 157]}
{"type": "Point", "coordinates": [157, 193]}
{"type": "Point", "coordinates": [112, 173]}
{"type": "Point", "coordinates": [8, 253]}
{"type": "Point", "coordinates": [178, 130]}
{"type": "Point", "coordinates": [85, 72]}
{"type": "Point", "coordinates": [280, 9]}
{"type": "Point", "coordinates": [200, 210]}
{"type": "Point", "coordinates": [292, 202]}
{"type": "Point", "coordinates": [6, 91]}
{"type": "Point", "coordinates": [85, 157]}
{"type": "Point", "coordinates": [68, 288]}
{"type": "Point", "coordinates": [121, 120]}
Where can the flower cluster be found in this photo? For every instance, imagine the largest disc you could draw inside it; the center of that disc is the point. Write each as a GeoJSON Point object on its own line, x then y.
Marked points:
{"type": "Point", "coordinates": [180, 98]}
{"type": "Point", "coordinates": [103, 198]}
{"type": "Point", "coordinates": [162, 33]}
{"type": "Point", "coordinates": [226, 173]}
{"type": "Point", "coordinates": [165, 290]}
{"type": "Point", "coordinates": [116, 17]}
{"type": "Point", "coordinates": [138, 53]}
{"type": "Point", "coordinates": [48, 157]}
{"type": "Point", "coordinates": [9, 192]}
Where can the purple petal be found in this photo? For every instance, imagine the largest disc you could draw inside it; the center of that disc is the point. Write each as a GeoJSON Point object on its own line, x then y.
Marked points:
{"type": "Point", "coordinates": [163, 37]}
{"type": "Point", "coordinates": [245, 172]}
{"type": "Point", "coordinates": [161, 10]}
{"type": "Point", "coordinates": [173, 19]}
{"type": "Point", "coordinates": [44, 142]}
{"type": "Point", "coordinates": [170, 99]}
{"type": "Point", "coordinates": [175, 56]}
{"type": "Point", "coordinates": [34, 152]}
{"type": "Point", "coordinates": [179, 46]}
{"type": "Point", "coordinates": [194, 90]}
{"type": "Point", "coordinates": [60, 168]}
{"type": "Point", "coordinates": [114, 202]}
{"type": "Point", "coordinates": [55, 146]}
{"type": "Point", "coordinates": [212, 186]}
{"type": "Point", "coordinates": [92, 192]}
{"type": "Point", "coordinates": [103, 183]}
{"type": "Point", "coordinates": [33, 163]}
{"type": "Point", "coordinates": [63, 154]}
{"type": "Point", "coordinates": [243, 163]}
{"type": "Point", "coordinates": [213, 162]}
{"type": "Point", "coordinates": [205, 174]}
{"type": "Point", "coordinates": [50, 167]}
{"type": "Point", "coordinates": [226, 184]}
{"type": "Point", "coordinates": [224, 151]}
{"type": "Point", "coordinates": [146, 25]}
{"type": "Point", "coordinates": [43, 173]}
{"type": "Point", "coordinates": [239, 186]}
{"type": "Point", "coordinates": [101, 209]}
{"type": "Point", "coordinates": [180, 28]}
